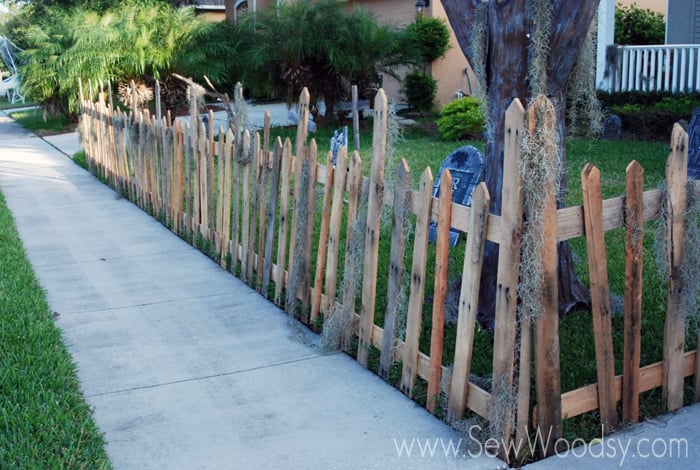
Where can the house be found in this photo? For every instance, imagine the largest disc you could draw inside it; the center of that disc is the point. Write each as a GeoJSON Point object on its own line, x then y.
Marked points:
{"type": "Point", "coordinates": [683, 22]}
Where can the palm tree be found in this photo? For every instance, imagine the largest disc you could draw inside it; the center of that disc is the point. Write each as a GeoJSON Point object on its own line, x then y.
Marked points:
{"type": "Point", "coordinates": [318, 45]}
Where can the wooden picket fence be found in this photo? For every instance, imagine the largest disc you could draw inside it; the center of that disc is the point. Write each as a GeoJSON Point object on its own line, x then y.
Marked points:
{"type": "Point", "coordinates": [250, 202]}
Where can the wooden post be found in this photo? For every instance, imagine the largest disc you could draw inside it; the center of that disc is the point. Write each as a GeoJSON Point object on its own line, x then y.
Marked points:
{"type": "Point", "coordinates": [396, 267]}
{"type": "Point", "coordinates": [674, 329]}
{"type": "Point", "coordinates": [423, 205]}
{"type": "Point", "coordinates": [469, 301]}
{"type": "Point", "coordinates": [372, 228]}
{"type": "Point", "coordinates": [634, 252]}
{"type": "Point", "coordinates": [547, 366]}
{"type": "Point", "coordinates": [355, 119]}
{"type": "Point", "coordinates": [506, 321]}
{"type": "Point", "coordinates": [600, 295]}
{"type": "Point", "coordinates": [442, 258]}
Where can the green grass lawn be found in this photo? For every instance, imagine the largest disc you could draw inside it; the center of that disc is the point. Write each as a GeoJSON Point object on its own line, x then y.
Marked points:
{"type": "Point", "coordinates": [33, 119]}
{"type": "Point", "coordinates": [44, 419]}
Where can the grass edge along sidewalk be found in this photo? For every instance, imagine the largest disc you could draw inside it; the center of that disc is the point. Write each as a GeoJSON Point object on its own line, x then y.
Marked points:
{"type": "Point", "coordinates": [44, 419]}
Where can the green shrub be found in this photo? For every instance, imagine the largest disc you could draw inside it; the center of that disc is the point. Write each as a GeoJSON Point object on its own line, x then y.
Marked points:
{"type": "Point", "coordinates": [420, 90]}
{"type": "Point", "coordinates": [650, 115]}
{"type": "Point", "coordinates": [432, 37]}
{"type": "Point", "coordinates": [461, 119]}
{"type": "Point", "coordinates": [636, 26]}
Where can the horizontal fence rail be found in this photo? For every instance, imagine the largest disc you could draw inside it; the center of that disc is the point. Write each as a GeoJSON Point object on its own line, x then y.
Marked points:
{"type": "Point", "coordinates": [673, 68]}
{"type": "Point", "coordinates": [308, 235]}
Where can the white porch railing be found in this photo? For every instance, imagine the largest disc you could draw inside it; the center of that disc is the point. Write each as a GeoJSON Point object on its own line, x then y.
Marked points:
{"type": "Point", "coordinates": [674, 68]}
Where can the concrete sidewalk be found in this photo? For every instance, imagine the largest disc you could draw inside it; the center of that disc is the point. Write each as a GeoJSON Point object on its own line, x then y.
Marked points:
{"type": "Point", "coordinates": [185, 366]}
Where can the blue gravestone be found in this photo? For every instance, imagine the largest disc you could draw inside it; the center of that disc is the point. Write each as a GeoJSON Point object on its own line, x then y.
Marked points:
{"type": "Point", "coordinates": [694, 146]}
{"type": "Point", "coordinates": [612, 127]}
{"type": "Point", "coordinates": [339, 139]}
{"type": "Point", "coordinates": [465, 165]}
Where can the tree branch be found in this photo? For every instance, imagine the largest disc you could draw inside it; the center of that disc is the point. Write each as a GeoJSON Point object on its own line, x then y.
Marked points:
{"type": "Point", "coordinates": [214, 94]}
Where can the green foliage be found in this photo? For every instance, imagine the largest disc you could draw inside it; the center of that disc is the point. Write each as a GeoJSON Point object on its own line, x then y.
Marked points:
{"type": "Point", "coordinates": [420, 90]}
{"type": "Point", "coordinates": [461, 119]}
{"type": "Point", "coordinates": [332, 50]}
{"type": "Point", "coordinates": [136, 40]}
{"type": "Point", "coordinates": [44, 419]}
{"type": "Point", "coordinates": [431, 36]}
{"type": "Point", "coordinates": [650, 116]}
{"type": "Point", "coordinates": [211, 51]}
{"type": "Point", "coordinates": [636, 26]}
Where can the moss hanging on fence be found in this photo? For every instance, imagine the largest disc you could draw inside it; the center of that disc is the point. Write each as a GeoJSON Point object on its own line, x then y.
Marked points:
{"type": "Point", "coordinates": [581, 88]}
{"type": "Point", "coordinates": [689, 297]}
{"type": "Point", "coordinates": [341, 319]}
{"type": "Point", "coordinates": [538, 171]}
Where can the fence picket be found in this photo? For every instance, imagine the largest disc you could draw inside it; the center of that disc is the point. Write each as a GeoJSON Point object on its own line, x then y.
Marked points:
{"type": "Point", "coordinates": [281, 280]}
{"type": "Point", "coordinates": [272, 213]}
{"type": "Point", "coordinates": [442, 259]}
{"type": "Point", "coordinates": [226, 212]}
{"type": "Point", "coordinates": [236, 188]}
{"type": "Point", "coordinates": [415, 301]}
{"type": "Point", "coordinates": [256, 168]}
{"type": "Point", "coordinates": [351, 267]}
{"type": "Point", "coordinates": [188, 179]}
{"type": "Point", "coordinates": [339, 178]}
{"type": "Point", "coordinates": [634, 252]}
{"type": "Point", "coordinates": [600, 295]}
{"type": "Point", "coordinates": [469, 301]}
{"type": "Point", "coordinates": [674, 328]}
{"type": "Point", "coordinates": [262, 206]}
{"type": "Point", "coordinates": [249, 160]}
{"type": "Point", "coordinates": [305, 285]}
{"type": "Point", "coordinates": [302, 132]}
{"type": "Point", "coordinates": [220, 184]}
{"type": "Point", "coordinates": [506, 321]}
{"type": "Point", "coordinates": [322, 240]}
{"type": "Point", "coordinates": [396, 266]}
{"type": "Point", "coordinates": [203, 216]}
{"type": "Point", "coordinates": [547, 367]}
{"type": "Point", "coordinates": [372, 227]}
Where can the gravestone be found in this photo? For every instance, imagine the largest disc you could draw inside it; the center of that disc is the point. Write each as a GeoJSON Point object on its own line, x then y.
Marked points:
{"type": "Point", "coordinates": [612, 127]}
{"type": "Point", "coordinates": [465, 165]}
{"type": "Point", "coordinates": [694, 145]}
{"type": "Point", "coordinates": [339, 139]}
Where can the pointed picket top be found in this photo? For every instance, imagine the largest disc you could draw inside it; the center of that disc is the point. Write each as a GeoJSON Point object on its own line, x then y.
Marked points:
{"type": "Point", "coordinates": [380, 134]}
{"type": "Point", "coordinates": [156, 92]}
{"type": "Point", "coordinates": [303, 123]}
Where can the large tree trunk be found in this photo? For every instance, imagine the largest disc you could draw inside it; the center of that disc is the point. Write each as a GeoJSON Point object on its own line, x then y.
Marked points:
{"type": "Point", "coordinates": [508, 58]}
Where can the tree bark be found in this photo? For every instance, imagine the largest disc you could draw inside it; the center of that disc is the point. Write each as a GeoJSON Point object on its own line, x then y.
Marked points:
{"type": "Point", "coordinates": [508, 58]}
